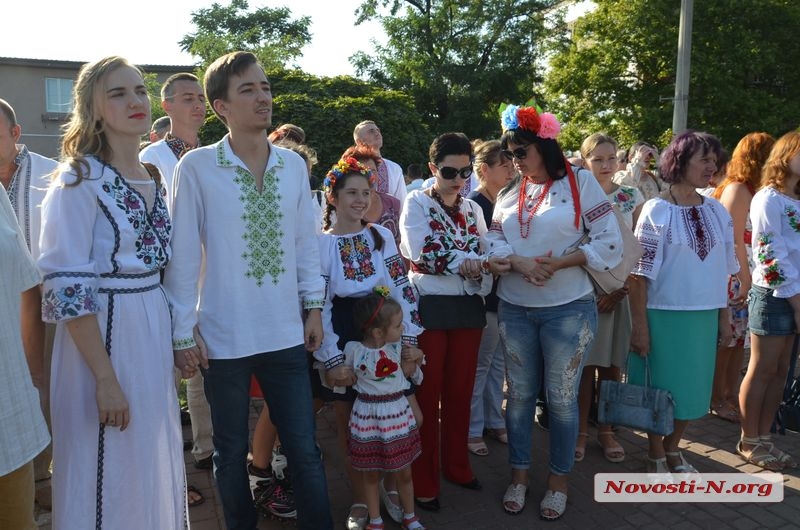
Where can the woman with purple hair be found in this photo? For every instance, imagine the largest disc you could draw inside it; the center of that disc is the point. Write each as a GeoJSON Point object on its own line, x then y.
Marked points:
{"type": "Point", "coordinates": [678, 291]}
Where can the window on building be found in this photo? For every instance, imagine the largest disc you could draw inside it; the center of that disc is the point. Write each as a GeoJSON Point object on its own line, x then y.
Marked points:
{"type": "Point", "coordinates": [59, 95]}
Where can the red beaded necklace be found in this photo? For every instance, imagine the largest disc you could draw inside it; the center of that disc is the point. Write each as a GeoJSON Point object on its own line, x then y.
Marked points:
{"type": "Point", "coordinates": [531, 210]}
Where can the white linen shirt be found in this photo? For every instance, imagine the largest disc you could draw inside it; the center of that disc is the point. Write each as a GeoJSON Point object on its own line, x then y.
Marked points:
{"type": "Point", "coordinates": [26, 192]}
{"type": "Point", "coordinates": [433, 243]}
{"type": "Point", "coordinates": [23, 432]}
{"type": "Point", "coordinates": [776, 242]}
{"type": "Point", "coordinates": [397, 182]}
{"type": "Point", "coordinates": [161, 155]}
{"type": "Point", "coordinates": [244, 263]}
{"type": "Point", "coordinates": [686, 272]}
{"type": "Point", "coordinates": [552, 230]}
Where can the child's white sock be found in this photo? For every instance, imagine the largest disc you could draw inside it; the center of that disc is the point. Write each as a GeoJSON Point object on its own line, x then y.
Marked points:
{"type": "Point", "coordinates": [413, 525]}
{"type": "Point", "coordinates": [377, 520]}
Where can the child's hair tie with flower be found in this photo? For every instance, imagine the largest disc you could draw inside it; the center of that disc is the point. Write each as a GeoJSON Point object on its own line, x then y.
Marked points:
{"type": "Point", "coordinates": [342, 168]}
{"type": "Point", "coordinates": [529, 118]}
{"type": "Point", "coordinates": [382, 290]}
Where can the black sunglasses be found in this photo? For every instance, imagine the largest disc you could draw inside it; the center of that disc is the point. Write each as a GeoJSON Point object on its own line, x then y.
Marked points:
{"type": "Point", "coordinates": [449, 173]}
{"type": "Point", "coordinates": [519, 153]}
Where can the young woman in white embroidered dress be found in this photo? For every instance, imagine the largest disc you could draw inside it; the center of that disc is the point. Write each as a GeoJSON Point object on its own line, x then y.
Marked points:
{"type": "Point", "coordinates": [612, 339]}
{"type": "Point", "coordinates": [384, 436]}
{"type": "Point", "coordinates": [356, 257]}
{"type": "Point", "coordinates": [774, 305]}
{"type": "Point", "coordinates": [105, 239]}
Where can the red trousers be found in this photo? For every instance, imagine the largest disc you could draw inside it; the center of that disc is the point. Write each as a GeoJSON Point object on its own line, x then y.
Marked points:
{"type": "Point", "coordinates": [451, 357]}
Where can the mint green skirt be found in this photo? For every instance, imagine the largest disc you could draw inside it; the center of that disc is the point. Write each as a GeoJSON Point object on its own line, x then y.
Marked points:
{"type": "Point", "coordinates": [683, 348]}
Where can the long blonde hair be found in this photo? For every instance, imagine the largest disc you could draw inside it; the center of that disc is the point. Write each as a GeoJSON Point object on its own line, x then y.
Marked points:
{"type": "Point", "coordinates": [84, 134]}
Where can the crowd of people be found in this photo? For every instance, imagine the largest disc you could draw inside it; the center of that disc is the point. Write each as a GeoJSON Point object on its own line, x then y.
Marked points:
{"type": "Point", "coordinates": [407, 303]}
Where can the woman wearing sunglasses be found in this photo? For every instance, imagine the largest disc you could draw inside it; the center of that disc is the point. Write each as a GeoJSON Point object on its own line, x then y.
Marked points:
{"type": "Point", "coordinates": [441, 235]}
{"type": "Point", "coordinates": [547, 313]}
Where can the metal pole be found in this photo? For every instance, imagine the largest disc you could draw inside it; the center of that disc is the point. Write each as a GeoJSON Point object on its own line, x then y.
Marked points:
{"type": "Point", "coordinates": [681, 102]}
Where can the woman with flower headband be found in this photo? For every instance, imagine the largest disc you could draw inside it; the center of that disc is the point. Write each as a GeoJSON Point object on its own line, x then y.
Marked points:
{"type": "Point", "coordinates": [441, 234]}
{"type": "Point", "coordinates": [384, 208]}
{"type": "Point", "coordinates": [547, 314]}
{"type": "Point", "coordinates": [678, 292]}
{"type": "Point", "coordinates": [357, 256]}
{"type": "Point", "coordinates": [774, 305]}
{"type": "Point", "coordinates": [613, 337]}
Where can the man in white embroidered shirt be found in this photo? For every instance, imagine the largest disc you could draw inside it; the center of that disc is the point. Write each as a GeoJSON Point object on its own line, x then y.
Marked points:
{"type": "Point", "coordinates": [390, 177]}
{"type": "Point", "coordinates": [245, 283]}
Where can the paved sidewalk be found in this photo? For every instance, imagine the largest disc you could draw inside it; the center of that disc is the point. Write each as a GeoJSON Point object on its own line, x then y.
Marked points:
{"type": "Point", "coordinates": [708, 445]}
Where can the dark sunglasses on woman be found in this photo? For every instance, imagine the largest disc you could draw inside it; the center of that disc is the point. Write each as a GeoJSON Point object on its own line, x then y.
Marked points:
{"type": "Point", "coordinates": [519, 153]}
{"type": "Point", "coordinates": [449, 173]}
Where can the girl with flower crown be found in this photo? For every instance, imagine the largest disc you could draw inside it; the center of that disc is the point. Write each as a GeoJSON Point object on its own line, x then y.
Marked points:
{"type": "Point", "coordinates": [547, 313]}
{"type": "Point", "coordinates": [357, 256]}
{"type": "Point", "coordinates": [383, 428]}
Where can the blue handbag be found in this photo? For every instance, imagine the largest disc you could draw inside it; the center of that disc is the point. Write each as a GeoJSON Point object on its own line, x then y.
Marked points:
{"type": "Point", "coordinates": [642, 408]}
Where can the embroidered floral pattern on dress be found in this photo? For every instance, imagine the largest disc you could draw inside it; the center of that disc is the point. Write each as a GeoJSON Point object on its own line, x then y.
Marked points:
{"type": "Point", "coordinates": [153, 230]}
{"type": "Point", "coordinates": [624, 199]}
{"type": "Point", "coordinates": [649, 239]}
{"type": "Point", "coordinates": [356, 257]}
{"type": "Point", "coordinates": [397, 271]}
{"type": "Point", "coordinates": [446, 236]}
{"type": "Point", "coordinates": [68, 302]}
{"type": "Point", "coordinates": [262, 219]}
{"type": "Point", "coordinates": [385, 367]}
{"type": "Point", "coordinates": [792, 217]}
{"type": "Point", "coordinates": [408, 295]}
{"type": "Point", "coordinates": [773, 274]}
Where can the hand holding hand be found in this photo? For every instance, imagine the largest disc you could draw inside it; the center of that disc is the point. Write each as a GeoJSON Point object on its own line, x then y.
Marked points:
{"type": "Point", "coordinates": [470, 269]}
{"type": "Point", "coordinates": [499, 266]}
{"type": "Point", "coordinates": [312, 330]}
{"type": "Point", "coordinates": [411, 353]}
{"type": "Point", "coordinates": [341, 375]}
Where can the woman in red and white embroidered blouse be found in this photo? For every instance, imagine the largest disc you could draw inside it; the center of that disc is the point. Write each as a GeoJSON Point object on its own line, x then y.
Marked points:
{"type": "Point", "coordinates": [547, 314]}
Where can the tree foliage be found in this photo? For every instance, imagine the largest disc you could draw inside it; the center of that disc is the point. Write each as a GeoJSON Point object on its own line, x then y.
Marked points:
{"type": "Point", "coordinates": [267, 32]}
{"type": "Point", "coordinates": [328, 108]}
{"type": "Point", "coordinates": [616, 71]}
{"type": "Point", "coordinates": [458, 59]}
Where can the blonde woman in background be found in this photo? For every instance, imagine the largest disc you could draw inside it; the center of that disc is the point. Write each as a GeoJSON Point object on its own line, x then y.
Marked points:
{"type": "Point", "coordinates": [612, 340]}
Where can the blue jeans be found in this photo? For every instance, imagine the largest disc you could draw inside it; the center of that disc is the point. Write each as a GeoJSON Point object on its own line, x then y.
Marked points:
{"type": "Point", "coordinates": [283, 376]}
{"type": "Point", "coordinates": [545, 345]}
{"type": "Point", "coordinates": [487, 395]}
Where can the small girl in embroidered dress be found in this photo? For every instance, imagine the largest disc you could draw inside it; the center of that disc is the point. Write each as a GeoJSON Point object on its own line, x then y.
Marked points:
{"type": "Point", "coordinates": [383, 431]}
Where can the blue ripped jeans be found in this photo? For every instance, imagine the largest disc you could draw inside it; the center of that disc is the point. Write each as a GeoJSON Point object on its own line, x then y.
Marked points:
{"type": "Point", "coordinates": [545, 345]}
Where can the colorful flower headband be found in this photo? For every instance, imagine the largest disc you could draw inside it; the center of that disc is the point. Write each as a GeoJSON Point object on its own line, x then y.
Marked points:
{"type": "Point", "coordinates": [342, 168]}
{"type": "Point", "coordinates": [529, 118]}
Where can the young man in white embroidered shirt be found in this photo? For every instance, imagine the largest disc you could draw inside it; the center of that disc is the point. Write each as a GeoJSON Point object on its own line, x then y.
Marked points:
{"type": "Point", "coordinates": [244, 247]}
{"type": "Point", "coordinates": [183, 100]}
{"type": "Point", "coordinates": [390, 177]}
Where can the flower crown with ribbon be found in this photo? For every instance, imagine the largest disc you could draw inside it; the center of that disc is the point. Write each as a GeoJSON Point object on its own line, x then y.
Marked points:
{"type": "Point", "coordinates": [529, 118]}
{"type": "Point", "coordinates": [342, 168]}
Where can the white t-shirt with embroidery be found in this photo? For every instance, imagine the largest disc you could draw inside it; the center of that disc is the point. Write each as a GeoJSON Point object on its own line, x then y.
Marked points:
{"type": "Point", "coordinates": [776, 242]}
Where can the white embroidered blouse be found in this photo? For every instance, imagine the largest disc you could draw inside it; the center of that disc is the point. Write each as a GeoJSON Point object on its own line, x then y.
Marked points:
{"type": "Point", "coordinates": [436, 245]}
{"type": "Point", "coordinates": [352, 267]}
{"type": "Point", "coordinates": [552, 230]}
{"type": "Point", "coordinates": [776, 242]}
{"type": "Point", "coordinates": [688, 254]}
